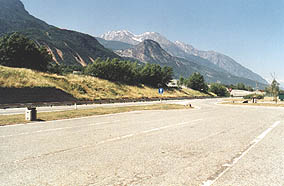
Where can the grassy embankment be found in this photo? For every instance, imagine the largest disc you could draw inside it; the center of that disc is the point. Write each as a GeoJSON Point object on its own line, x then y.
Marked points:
{"type": "Point", "coordinates": [84, 87]}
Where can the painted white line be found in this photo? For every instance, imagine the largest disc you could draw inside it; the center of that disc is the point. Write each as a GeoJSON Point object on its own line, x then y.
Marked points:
{"type": "Point", "coordinates": [145, 132]}
{"type": "Point", "coordinates": [71, 119]}
{"type": "Point", "coordinates": [252, 144]}
{"type": "Point", "coordinates": [79, 126]}
{"type": "Point", "coordinates": [55, 129]}
{"type": "Point", "coordinates": [110, 140]}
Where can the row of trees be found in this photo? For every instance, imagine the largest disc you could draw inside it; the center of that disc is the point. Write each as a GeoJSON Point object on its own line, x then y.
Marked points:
{"type": "Point", "coordinates": [131, 73]}
{"type": "Point", "coordinates": [240, 86]}
{"type": "Point", "coordinates": [121, 71]}
{"type": "Point", "coordinates": [196, 82]}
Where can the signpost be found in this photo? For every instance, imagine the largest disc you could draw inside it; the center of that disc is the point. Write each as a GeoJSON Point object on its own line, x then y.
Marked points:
{"type": "Point", "coordinates": [161, 91]}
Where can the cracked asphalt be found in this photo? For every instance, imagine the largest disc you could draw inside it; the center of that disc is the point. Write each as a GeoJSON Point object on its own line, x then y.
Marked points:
{"type": "Point", "coordinates": [211, 145]}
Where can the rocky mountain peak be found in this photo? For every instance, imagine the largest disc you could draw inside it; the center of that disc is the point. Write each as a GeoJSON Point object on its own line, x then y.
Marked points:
{"type": "Point", "coordinates": [185, 47]}
{"type": "Point", "coordinates": [130, 38]}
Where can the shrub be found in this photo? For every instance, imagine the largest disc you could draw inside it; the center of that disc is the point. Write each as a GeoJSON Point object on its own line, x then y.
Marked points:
{"type": "Point", "coordinates": [257, 96]}
{"type": "Point", "coordinates": [219, 90]}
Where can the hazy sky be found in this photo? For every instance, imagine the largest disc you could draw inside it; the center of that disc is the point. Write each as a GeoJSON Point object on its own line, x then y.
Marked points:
{"type": "Point", "coordinates": [250, 31]}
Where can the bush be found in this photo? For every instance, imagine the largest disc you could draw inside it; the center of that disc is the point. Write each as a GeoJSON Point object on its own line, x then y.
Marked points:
{"type": "Point", "coordinates": [219, 90]}
{"type": "Point", "coordinates": [64, 69]}
{"type": "Point", "coordinates": [257, 96]}
{"type": "Point", "coordinates": [17, 50]}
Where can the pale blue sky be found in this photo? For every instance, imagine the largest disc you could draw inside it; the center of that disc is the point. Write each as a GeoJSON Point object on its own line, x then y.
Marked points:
{"type": "Point", "coordinates": [250, 31]}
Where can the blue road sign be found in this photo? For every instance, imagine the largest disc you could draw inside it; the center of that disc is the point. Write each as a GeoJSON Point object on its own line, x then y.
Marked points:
{"type": "Point", "coordinates": [161, 90]}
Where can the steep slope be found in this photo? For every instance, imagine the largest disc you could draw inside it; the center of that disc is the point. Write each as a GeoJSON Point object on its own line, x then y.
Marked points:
{"type": "Point", "coordinates": [150, 51]}
{"type": "Point", "coordinates": [222, 61]}
{"type": "Point", "coordinates": [66, 46]}
{"type": "Point", "coordinates": [211, 59]}
{"type": "Point", "coordinates": [114, 45]}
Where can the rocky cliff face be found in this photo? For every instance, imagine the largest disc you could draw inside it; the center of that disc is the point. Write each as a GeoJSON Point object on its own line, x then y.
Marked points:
{"type": "Point", "coordinates": [148, 51]}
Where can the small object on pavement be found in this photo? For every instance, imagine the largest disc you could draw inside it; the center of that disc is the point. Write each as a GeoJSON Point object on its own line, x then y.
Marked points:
{"type": "Point", "coordinates": [31, 114]}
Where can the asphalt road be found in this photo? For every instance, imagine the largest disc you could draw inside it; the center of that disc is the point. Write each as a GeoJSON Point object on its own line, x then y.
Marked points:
{"type": "Point", "coordinates": [211, 145]}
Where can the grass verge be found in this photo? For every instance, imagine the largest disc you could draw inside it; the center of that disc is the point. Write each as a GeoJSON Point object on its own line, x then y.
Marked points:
{"type": "Point", "coordinates": [49, 116]}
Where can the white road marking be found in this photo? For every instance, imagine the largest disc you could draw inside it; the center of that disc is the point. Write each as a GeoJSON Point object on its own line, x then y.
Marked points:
{"type": "Point", "coordinates": [252, 144]}
{"type": "Point", "coordinates": [55, 129]}
{"type": "Point", "coordinates": [71, 119]}
{"type": "Point", "coordinates": [73, 127]}
{"type": "Point", "coordinates": [110, 140]}
{"type": "Point", "coordinates": [144, 132]}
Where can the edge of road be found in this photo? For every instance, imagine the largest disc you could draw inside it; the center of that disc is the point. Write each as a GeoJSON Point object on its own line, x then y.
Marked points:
{"type": "Point", "coordinates": [85, 105]}
{"type": "Point", "coordinates": [247, 106]}
{"type": "Point", "coordinates": [226, 167]}
{"type": "Point", "coordinates": [100, 101]}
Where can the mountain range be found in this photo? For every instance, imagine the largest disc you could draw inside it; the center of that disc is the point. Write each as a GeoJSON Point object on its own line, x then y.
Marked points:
{"type": "Point", "coordinates": [212, 59]}
{"type": "Point", "coordinates": [150, 51]}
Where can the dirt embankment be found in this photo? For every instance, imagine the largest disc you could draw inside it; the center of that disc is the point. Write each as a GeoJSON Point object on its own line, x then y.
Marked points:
{"type": "Point", "coordinates": [33, 95]}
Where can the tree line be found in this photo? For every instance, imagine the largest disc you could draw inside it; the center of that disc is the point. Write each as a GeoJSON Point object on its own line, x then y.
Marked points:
{"type": "Point", "coordinates": [196, 82]}
{"type": "Point", "coordinates": [122, 71]}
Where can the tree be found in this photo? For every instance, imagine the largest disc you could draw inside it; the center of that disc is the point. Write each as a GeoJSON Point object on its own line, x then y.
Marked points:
{"type": "Point", "coordinates": [219, 90]}
{"type": "Point", "coordinates": [181, 81]}
{"type": "Point", "coordinates": [196, 82]}
{"type": "Point", "coordinates": [274, 87]}
{"type": "Point", "coordinates": [241, 86]}
{"type": "Point", "coordinates": [17, 50]}
{"type": "Point", "coordinates": [167, 75]}
{"type": "Point", "coordinates": [249, 88]}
